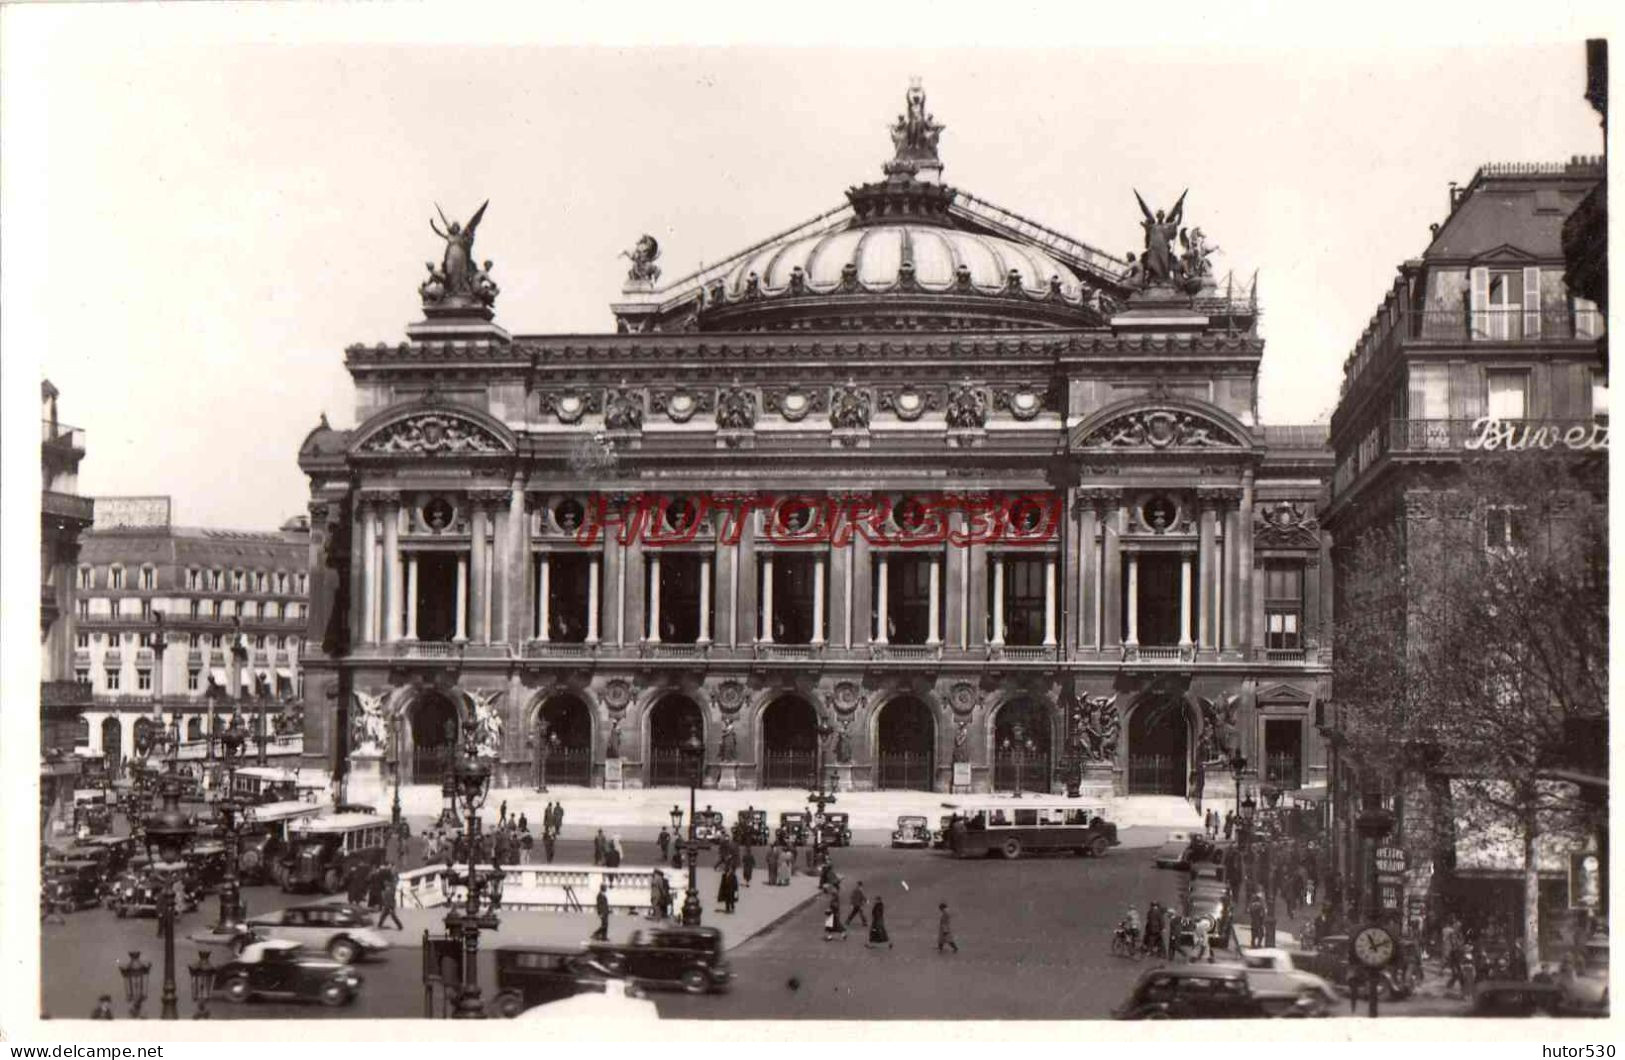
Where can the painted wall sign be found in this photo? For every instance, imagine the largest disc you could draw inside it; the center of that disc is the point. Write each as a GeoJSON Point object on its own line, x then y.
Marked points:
{"type": "Point", "coordinates": [1490, 434]}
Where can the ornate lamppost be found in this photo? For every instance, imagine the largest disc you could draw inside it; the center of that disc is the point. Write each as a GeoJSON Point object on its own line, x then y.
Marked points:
{"type": "Point", "coordinates": [229, 807]}
{"type": "Point", "coordinates": [1374, 823]}
{"type": "Point", "coordinates": [203, 974]}
{"type": "Point", "coordinates": [470, 778]}
{"type": "Point", "coordinates": [168, 834]}
{"type": "Point", "coordinates": [134, 970]}
{"type": "Point", "coordinates": [396, 822]}
{"type": "Point", "coordinates": [677, 837]}
{"type": "Point", "coordinates": [693, 756]}
{"type": "Point", "coordinates": [544, 739]}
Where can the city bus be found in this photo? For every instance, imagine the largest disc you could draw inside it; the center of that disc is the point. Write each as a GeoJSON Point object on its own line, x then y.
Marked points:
{"type": "Point", "coordinates": [263, 784]}
{"type": "Point", "coordinates": [265, 835]}
{"type": "Point", "coordinates": [324, 850]}
{"type": "Point", "coordinates": [1011, 829]}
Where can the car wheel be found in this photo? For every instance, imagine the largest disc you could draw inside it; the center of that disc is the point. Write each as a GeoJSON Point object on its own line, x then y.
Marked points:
{"type": "Point", "coordinates": [342, 950]}
{"type": "Point", "coordinates": [1099, 846]}
{"type": "Point", "coordinates": [237, 990]}
{"type": "Point", "coordinates": [335, 994]}
{"type": "Point", "coordinates": [1011, 848]}
{"type": "Point", "coordinates": [695, 981]}
{"type": "Point", "coordinates": [507, 1005]}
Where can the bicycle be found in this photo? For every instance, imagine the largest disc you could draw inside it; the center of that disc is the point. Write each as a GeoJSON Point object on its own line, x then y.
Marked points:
{"type": "Point", "coordinates": [1126, 943]}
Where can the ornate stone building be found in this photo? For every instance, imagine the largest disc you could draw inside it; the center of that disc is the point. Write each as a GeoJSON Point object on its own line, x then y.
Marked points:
{"type": "Point", "coordinates": [920, 480]}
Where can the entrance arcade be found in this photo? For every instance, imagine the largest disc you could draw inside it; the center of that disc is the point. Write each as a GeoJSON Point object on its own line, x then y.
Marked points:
{"type": "Point", "coordinates": [1158, 748]}
{"type": "Point", "coordinates": [1021, 747]}
{"type": "Point", "coordinates": [433, 719]}
{"type": "Point", "coordinates": [563, 746]}
{"type": "Point", "coordinates": [905, 742]}
{"type": "Point", "coordinates": [789, 743]}
{"type": "Point", "coordinates": [673, 717]}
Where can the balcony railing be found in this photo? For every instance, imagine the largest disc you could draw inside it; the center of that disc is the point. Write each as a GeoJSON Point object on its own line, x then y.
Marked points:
{"type": "Point", "coordinates": [668, 650]}
{"type": "Point", "coordinates": [556, 649]}
{"type": "Point", "coordinates": [1286, 655]}
{"type": "Point", "coordinates": [905, 652]}
{"type": "Point", "coordinates": [789, 651]}
{"type": "Point", "coordinates": [68, 506]}
{"type": "Point", "coordinates": [1421, 436]}
{"type": "Point", "coordinates": [1020, 652]}
{"type": "Point", "coordinates": [1159, 653]}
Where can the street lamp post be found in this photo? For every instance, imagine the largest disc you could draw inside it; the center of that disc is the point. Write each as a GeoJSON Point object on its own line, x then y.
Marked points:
{"type": "Point", "coordinates": [169, 833]}
{"type": "Point", "coordinates": [677, 837]}
{"type": "Point", "coordinates": [471, 780]}
{"type": "Point", "coordinates": [1374, 822]}
{"type": "Point", "coordinates": [395, 820]}
{"type": "Point", "coordinates": [693, 756]}
{"type": "Point", "coordinates": [202, 984]}
{"type": "Point", "coordinates": [135, 970]}
{"type": "Point", "coordinates": [544, 747]}
{"type": "Point", "coordinates": [230, 811]}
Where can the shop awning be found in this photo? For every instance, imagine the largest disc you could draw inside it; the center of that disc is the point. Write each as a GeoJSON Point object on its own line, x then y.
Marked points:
{"type": "Point", "coordinates": [284, 673]}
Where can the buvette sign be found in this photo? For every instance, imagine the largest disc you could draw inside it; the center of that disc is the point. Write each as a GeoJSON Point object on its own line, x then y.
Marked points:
{"type": "Point", "coordinates": [1490, 434]}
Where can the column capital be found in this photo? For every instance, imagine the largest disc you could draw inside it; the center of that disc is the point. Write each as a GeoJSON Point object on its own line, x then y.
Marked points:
{"type": "Point", "coordinates": [1218, 497]}
{"type": "Point", "coordinates": [488, 497]}
{"type": "Point", "coordinates": [1097, 498]}
{"type": "Point", "coordinates": [379, 498]}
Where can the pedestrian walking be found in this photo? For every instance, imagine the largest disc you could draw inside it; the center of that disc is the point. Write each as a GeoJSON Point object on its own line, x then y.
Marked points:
{"type": "Point", "coordinates": [104, 1008]}
{"type": "Point", "coordinates": [860, 903]}
{"type": "Point", "coordinates": [547, 846]}
{"type": "Point", "coordinates": [612, 853]}
{"type": "Point", "coordinates": [524, 824]}
{"type": "Point", "coordinates": [558, 817]}
{"type": "Point", "coordinates": [355, 887]}
{"type": "Point", "coordinates": [525, 844]}
{"type": "Point", "coordinates": [656, 894]}
{"type": "Point", "coordinates": [1155, 926]}
{"type": "Point", "coordinates": [547, 817]}
{"type": "Point", "coordinates": [663, 840]}
{"type": "Point", "coordinates": [1229, 824]}
{"type": "Point", "coordinates": [598, 847]}
{"type": "Point", "coordinates": [945, 928]}
{"type": "Point", "coordinates": [1255, 918]}
{"type": "Point", "coordinates": [748, 864]}
{"type": "Point", "coordinates": [387, 901]}
{"type": "Point", "coordinates": [728, 891]}
{"type": "Point", "coordinates": [601, 906]}
{"type": "Point", "coordinates": [832, 919]}
{"type": "Point", "coordinates": [877, 925]}
{"type": "Point", "coordinates": [773, 866]}
{"type": "Point", "coordinates": [502, 813]}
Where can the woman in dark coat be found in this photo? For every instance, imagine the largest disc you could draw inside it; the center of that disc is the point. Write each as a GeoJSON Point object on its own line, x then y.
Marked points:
{"type": "Point", "coordinates": [728, 891]}
{"type": "Point", "coordinates": [748, 863]}
{"type": "Point", "coordinates": [877, 924]}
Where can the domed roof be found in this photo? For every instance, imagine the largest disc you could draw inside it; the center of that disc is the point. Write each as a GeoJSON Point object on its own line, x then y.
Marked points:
{"type": "Point", "coordinates": [873, 255]}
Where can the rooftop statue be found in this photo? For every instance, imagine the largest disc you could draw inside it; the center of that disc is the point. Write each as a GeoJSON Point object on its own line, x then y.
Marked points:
{"type": "Point", "coordinates": [1194, 261]}
{"type": "Point", "coordinates": [1157, 264]}
{"type": "Point", "coordinates": [643, 256]}
{"type": "Point", "coordinates": [459, 280]}
{"type": "Point", "coordinates": [914, 135]}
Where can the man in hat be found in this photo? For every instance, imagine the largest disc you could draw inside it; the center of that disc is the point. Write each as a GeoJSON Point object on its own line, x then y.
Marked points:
{"type": "Point", "coordinates": [945, 928]}
{"type": "Point", "coordinates": [601, 906]}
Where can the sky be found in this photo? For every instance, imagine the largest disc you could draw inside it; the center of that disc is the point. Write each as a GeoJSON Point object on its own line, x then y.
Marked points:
{"type": "Point", "coordinates": [219, 213]}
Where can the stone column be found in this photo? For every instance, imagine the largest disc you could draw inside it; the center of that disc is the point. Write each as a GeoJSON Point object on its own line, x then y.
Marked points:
{"type": "Point", "coordinates": [1049, 601]}
{"type": "Point", "coordinates": [1247, 633]}
{"type": "Point", "coordinates": [412, 597]}
{"type": "Point", "coordinates": [998, 600]}
{"type": "Point", "coordinates": [392, 564]}
{"type": "Point", "coordinates": [544, 595]}
{"type": "Point", "coordinates": [936, 601]}
{"type": "Point", "coordinates": [705, 600]}
{"type": "Point", "coordinates": [476, 557]}
{"type": "Point", "coordinates": [747, 605]}
{"type": "Point", "coordinates": [818, 599]}
{"type": "Point", "coordinates": [765, 628]}
{"type": "Point", "coordinates": [1111, 580]}
{"type": "Point", "coordinates": [863, 590]}
{"type": "Point", "coordinates": [1088, 593]}
{"type": "Point", "coordinates": [1232, 582]}
{"type": "Point", "coordinates": [1133, 637]}
{"type": "Point", "coordinates": [462, 598]}
{"type": "Point", "coordinates": [957, 603]}
{"type": "Point", "coordinates": [882, 599]}
{"type": "Point", "coordinates": [727, 557]}
{"type": "Point", "coordinates": [516, 567]}
{"type": "Point", "coordinates": [1309, 624]}
{"type": "Point", "coordinates": [1207, 556]}
{"type": "Point", "coordinates": [592, 599]}
{"type": "Point", "coordinates": [368, 603]}
{"type": "Point", "coordinates": [1185, 600]}
{"type": "Point", "coordinates": [492, 632]}
{"type": "Point", "coordinates": [652, 634]}
{"type": "Point", "coordinates": [978, 606]}
{"type": "Point", "coordinates": [840, 587]}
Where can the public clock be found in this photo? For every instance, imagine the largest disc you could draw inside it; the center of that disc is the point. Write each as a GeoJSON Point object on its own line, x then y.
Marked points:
{"type": "Point", "coordinates": [1373, 947]}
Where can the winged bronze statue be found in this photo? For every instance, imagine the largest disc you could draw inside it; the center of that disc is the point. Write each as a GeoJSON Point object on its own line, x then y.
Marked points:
{"type": "Point", "coordinates": [1157, 263]}
{"type": "Point", "coordinates": [458, 270]}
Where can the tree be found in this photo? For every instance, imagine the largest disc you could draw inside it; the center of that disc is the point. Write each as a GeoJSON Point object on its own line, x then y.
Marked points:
{"type": "Point", "coordinates": [1473, 644]}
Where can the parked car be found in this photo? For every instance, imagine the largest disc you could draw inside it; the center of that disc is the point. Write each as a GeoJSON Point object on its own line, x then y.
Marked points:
{"type": "Point", "coordinates": [1174, 852]}
{"type": "Point", "coordinates": [1210, 900]}
{"type": "Point", "coordinates": [1215, 991]}
{"type": "Point", "coordinates": [750, 828]}
{"type": "Point", "coordinates": [528, 976]}
{"type": "Point", "coordinates": [709, 826]}
{"type": "Point", "coordinates": [343, 932]}
{"type": "Point", "coordinates": [834, 829]}
{"type": "Point", "coordinates": [911, 832]}
{"type": "Point", "coordinates": [281, 968]}
{"type": "Point", "coordinates": [139, 891]}
{"type": "Point", "coordinates": [72, 885]}
{"type": "Point", "coordinates": [206, 863]}
{"type": "Point", "coordinates": [1279, 961]}
{"type": "Point", "coordinates": [796, 826]}
{"type": "Point", "coordinates": [1584, 979]}
{"type": "Point", "coordinates": [688, 957]}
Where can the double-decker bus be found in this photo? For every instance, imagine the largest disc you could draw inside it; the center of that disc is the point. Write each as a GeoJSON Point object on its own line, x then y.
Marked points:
{"type": "Point", "coordinates": [1011, 829]}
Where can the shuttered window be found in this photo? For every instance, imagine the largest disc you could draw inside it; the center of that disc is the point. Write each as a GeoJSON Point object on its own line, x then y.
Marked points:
{"type": "Point", "coordinates": [1508, 394]}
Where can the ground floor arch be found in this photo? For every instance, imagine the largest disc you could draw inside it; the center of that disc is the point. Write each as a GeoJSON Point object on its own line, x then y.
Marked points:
{"type": "Point", "coordinates": [432, 721]}
{"type": "Point", "coordinates": [905, 745]}
{"type": "Point", "coordinates": [113, 740]}
{"type": "Point", "coordinates": [670, 720]}
{"type": "Point", "coordinates": [561, 741]}
{"type": "Point", "coordinates": [1159, 748]}
{"type": "Point", "coordinates": [789, 741]}
{"type": "Point", "coordinates": [1022, 758]}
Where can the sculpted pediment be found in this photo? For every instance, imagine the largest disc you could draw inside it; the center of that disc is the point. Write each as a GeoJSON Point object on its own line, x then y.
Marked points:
{"type": "Point", "coordinates": [1161, 428]}
{"type": "Point", "coordinates": [433, 433]}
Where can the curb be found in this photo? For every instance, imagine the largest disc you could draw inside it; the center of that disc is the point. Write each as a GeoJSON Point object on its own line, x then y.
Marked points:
{"type": "Point", "coordinates": [773, 924]}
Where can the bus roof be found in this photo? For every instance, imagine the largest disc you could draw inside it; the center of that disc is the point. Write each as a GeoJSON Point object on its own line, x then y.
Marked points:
{"type": "Point", "coordinates": [342, 822]}
{"type": "Point", "coordinates": [276, 773]}
{"type": "Point", "coordinates": [286, 811]}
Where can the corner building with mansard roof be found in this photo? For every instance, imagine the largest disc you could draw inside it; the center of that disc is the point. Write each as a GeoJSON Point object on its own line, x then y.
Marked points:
{"type": "Point", "coordinates": [1080, 557]}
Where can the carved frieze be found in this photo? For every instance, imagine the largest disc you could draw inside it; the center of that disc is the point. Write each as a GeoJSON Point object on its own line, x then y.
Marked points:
{"type": "Point", "coordinates": [967, 406]}
{"type": "Point", "coordinates": [681, 404]}
{"type": "Point", "coordinates": [850, 408]}
{"type": "Point", "coordinates": [623, 409]}
{"type": "Point", "coordinates": [434, 433]}
{"type": "Point", "coordinates": [795, 403]}
{"type": "Point", "coordinates": [1160, 429]}
{"type": "Point", "coordinates": [569, 405]}
{"type": "Point", "coordinates": [910, 403]}
{"type": "Point", "coordinates": [1022, 402]}
{"type": "Point", "coordinates": [1284, 524]}
{"type": "Point", "coordinates": [736, 409]}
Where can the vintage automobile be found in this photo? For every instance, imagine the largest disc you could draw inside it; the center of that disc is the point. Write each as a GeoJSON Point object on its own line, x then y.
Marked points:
{"type": "Point", "coordinates": [344, 932]}
{"type": "Point", "coordinates": [139, 890]}
{"type": "Point", "coordinates": [264, 837]}
{"type": "Point", "coordinates": [689, 957]}
{"type": "Point", "coordinates": [1211, 901]}
{"type": "Point", "coordinates": [709, 826]}
{"type": "Point", "coordinates": [911, 831]}
{"type": "Point", "coordinates": [1216, 991]}
{"type": "Point", "coordinates": [1584, 979]}
{"type": "Point", "coordinates": [1279, 961]}
{"type": "Point", "coordinates": [939, 838]}
{"type": "Point", "coordinates": [206, 864]}
{"type": "Point", "coordinates": [280, 968]}
{"type": "Point", "coordinates": [535, 975]}
{"type": "Point", "coordinates": [750, 828]}
{"type": "Point", "coordinates": [1175, 851]}
{"type": "Point", "coordinates": [608, 999]}
{"type": "Point", "coordinates": [834, 829]}
{"type": "Point", "coordinates": [796, 826]}
{"type": "Point", "coordinates": [72, 885]}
